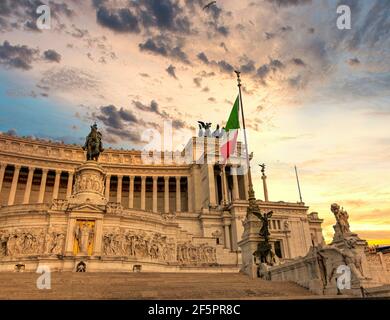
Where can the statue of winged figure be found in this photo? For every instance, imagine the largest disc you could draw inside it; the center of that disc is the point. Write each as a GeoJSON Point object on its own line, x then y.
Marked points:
{"type": "Point", "coordinates": [264, 218]}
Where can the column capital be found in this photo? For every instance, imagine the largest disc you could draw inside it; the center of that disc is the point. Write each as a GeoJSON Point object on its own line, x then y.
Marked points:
{"type": "Point", "coordinates": [166, 178]}
{"type": "Point", "coordinates": [155, 178]}
{"type": "Point", "coordinates": [178, 178]}
{"type": "Point", "coordinates": [120, 176]}
{"type": "Point", "coordinates": [132, 178]}
{"type": "Point", "coordinates": [71, 173]}
{"type": "Point", "coordinates": [143, 178]}
{"type": "Point", "coordinates": [45, 171]}
{"type": "Point", "coordinates": [17, 166]}
{"type": "Point", "coordinates": [58, 171]}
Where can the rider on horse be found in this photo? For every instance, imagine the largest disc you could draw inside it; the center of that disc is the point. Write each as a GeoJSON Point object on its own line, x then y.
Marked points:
{"type": "Point", "coordinates": [93, 144]}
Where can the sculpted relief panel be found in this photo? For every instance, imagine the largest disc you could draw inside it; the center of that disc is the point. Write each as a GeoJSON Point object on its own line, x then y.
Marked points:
{"type": "Point", "coordinates": [188, 253]}
{"type": "Point", "coordinates": [139, 244]}
{"type": "Point", "coordinates": [24, 242]}
{"type": "Point", "coordinates": [91, 182]}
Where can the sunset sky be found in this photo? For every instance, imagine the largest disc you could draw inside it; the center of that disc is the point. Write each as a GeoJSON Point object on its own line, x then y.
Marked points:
{"type": "Point", "coordinates": [314, 96]}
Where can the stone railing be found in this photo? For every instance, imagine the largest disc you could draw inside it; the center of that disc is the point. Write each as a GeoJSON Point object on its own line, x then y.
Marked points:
{"type": "Point", "coordinates": [379, 266]}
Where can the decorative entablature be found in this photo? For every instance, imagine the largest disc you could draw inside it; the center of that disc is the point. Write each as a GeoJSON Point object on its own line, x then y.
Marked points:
{"type": "Point", "coordinates": [48, 155]}
{"type": "Point", "coordinates": [284, 208]}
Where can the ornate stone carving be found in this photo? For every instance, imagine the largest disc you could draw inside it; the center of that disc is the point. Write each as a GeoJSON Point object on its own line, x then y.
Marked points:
{"type": "Point", "coordinates": [55, 242]}
{"type": "Point", "coordinates": [169, 216]}
{"type": "Point", "coordinates": [21, 242]}
{"type": "Point", "coordinates": [188, 253]}
{"type": "Point", "coordinates": [90, 182]}
{"type": "Point", "coordinates": [59, 205]}
{"type": "Point", "coordinates": [114, 208]}
{"type": "Point", "coordinates": [135, 243]}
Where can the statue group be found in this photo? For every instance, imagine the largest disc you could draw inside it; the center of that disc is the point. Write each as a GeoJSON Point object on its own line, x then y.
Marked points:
{"type": "Point", "coordinates": [93, 144]}
{"type": "Point", "coordinates": [205, 130]}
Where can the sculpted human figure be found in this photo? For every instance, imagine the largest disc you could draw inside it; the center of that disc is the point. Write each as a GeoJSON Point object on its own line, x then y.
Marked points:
{"type": "Point", "coordinates": [341, 218]}
{"type": "Point", "coordinates": [93, 144]}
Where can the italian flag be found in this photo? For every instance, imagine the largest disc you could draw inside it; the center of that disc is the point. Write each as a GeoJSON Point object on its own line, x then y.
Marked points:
{"type": "Point", "coordinates": [229, 143]}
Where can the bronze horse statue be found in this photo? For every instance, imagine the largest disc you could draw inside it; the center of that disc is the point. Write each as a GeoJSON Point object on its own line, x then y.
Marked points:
{"type": "Point", "coordinates": [93, 144]}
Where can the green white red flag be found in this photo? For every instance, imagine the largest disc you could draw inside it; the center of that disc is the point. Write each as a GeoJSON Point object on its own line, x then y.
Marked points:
{"type": "Point", "coordinates": [229, 142]}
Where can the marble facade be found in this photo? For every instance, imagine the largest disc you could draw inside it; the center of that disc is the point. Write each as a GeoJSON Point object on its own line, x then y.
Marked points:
{"type": "Point", "coordinates": [58, 209]}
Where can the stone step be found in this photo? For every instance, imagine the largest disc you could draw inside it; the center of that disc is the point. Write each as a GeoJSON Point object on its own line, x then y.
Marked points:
{"type": "Point", "coordinates": [66, 285]}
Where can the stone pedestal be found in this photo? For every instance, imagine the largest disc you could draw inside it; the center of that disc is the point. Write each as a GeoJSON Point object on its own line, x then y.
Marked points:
{"type": "Point", "coordinates": [89, 185]}
{"type": "Point", "coordinates": [248, 245]}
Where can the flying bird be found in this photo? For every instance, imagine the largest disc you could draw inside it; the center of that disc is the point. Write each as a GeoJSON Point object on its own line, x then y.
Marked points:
{"type": "Point", "coordinates": [209, 5]}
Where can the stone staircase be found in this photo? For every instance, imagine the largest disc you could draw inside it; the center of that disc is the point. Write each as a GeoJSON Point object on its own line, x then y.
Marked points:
{"type": "Point", "coordinates": [67, 285]}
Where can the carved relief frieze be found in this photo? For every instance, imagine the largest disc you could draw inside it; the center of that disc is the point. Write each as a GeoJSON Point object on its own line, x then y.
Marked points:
{"type": "Point", "coordinates": [139, 244]}
{"type": "Point", "coordinates": [21, 242]}
{"type": "Point", "coordinates": [188, 253]}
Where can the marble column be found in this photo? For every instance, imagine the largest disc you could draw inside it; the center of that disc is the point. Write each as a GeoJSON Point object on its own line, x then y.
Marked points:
{"type": "Point", "coordinates": [70, 184]}
{"type": "Point", "coordinates": [131, 192]}
{"type": "Point", "coordinates": [224, 185]}
{"type": "Point", "coordinates": [27, 191]}
{"type": "Point", "coordinates": [265, 188]}
{"type": "Point", "coordinates": [56, 184]}
{"type": "Point", "coordinates": [236, 193]}
{"type": "Point", "coordinates": [178, 195]}
{"type": "Point", "coordinates": [155, 180]}
{"type": "Point", "coordinates": [212, 193]}
{"type": "Point", "coordinates": [190, 194]}
{"type": "Point", "coordinates": [14, 186]}
{"type": "Point", "coordinates": [2, 171]}
{"type": "Point", "coordinates": [119, 190]}
{"type": "Point", "coordinates": [42, 188]}
{"type": "Point", "coordinates": [227, 234]}
{"type": "Point", "coordinates": [107, 190]}
{"type": "Point", "coordinates": [166, 194]}
{"type": "Point", "coordinates": [143, 193]}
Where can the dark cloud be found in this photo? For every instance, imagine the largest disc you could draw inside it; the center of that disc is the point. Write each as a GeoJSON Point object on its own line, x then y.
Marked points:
{"type": "Point", "coordinates": [165, 47]}
{"type": "Point", "coordinates": [202, 57]}
{"type": "Point", "coordinates": [353, 62]}
{"type": "Point", "coordinates": [119, 123]}
{"type": "Point", "coordinates": [152, 107]}
{"type": "Point", "coordinates": [198, 82]}
{"type": "Point", "coordinates": [286, 3]}
{"type": "Point", "coordinates": [286, 29]}
{"type": "Point", "coordinates": [20, 57]}
{"type": "Point", "coordinates": [171, 70]}
{"type": "Point", "coordinates": [163, 15]}
{"type": "Point", "coordinates": [120, 20]}
{"type": "Point", "coordinates": [269, 35]}
{"type": "Point", "coordinates": [52, 55]}
{"type": "Point", "coordinates": [249, 67]}
{"type": "Point", "coordinates": [298, 62]}
{"type": "Point", "coordinates": [276, 64]}
{"type": "Point", "coordinates": [297, 82]}
{"type": "Point", "coordinates": [225, 66]}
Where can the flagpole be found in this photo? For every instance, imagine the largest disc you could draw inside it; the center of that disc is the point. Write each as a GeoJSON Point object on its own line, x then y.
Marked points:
{"type": "Point", "coordinates": [251, 192]}
{"type": "Point", "coordinates": [299, 187]}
